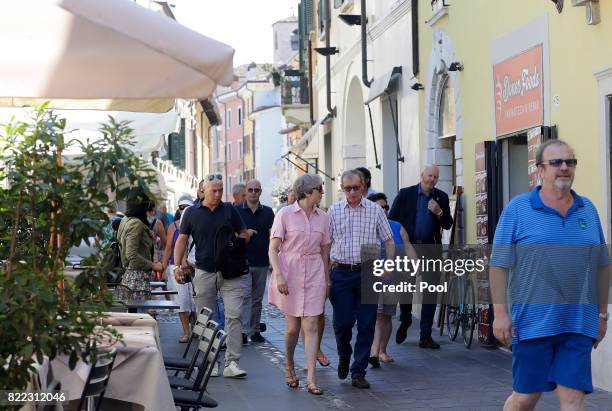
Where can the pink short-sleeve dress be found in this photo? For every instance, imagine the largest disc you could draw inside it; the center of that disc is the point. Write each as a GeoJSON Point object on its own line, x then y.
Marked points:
{"type": "Point", "coordinates": [300, 261]}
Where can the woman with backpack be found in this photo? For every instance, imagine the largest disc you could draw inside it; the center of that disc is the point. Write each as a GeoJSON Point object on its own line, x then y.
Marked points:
{"type": "Point", "coordinates": [135, 241]}
{"type": "Point", "coordinates": [184, 298]}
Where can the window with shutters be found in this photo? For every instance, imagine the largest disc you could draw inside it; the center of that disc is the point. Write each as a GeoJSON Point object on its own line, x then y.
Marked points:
{"type": "Point", "coordinates": [228, 119]}
{"type": "Point", "coordinates": [176, 147]}
{"type": "Point", "coordinates": [240, 152]}
{"type": "Point", "coordinates": [295, 40]}
{"type": "Point", "coordinates": [321, 15]}
{"type": "Point", "coordinates": [239, 116]}
{"type": "Point", "coordinates": [228, 155]}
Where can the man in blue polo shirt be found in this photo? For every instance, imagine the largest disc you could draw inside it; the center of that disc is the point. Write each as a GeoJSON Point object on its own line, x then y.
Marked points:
{"type": "Point", "coordinates": [549, 283]}
{"type": "Point", "coordinates": [258, 219]}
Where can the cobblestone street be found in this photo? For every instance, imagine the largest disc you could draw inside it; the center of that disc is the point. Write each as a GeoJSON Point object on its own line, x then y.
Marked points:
{"type": "Point", "coordinates": [452, 378]}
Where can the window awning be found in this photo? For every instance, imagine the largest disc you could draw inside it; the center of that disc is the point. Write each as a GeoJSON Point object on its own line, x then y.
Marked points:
{"type": "Point", "coordinates": [386, 84]}
{"type": "Point", "coordinates": [310, 133]}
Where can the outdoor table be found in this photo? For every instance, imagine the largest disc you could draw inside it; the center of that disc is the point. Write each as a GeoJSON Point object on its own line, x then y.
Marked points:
{"type": "Point", "coordinates": [138, 377]}
{"type": "Point", "coordinates": [135, 306]}
{"type": "Point", "coordinates": [155, 284]}
{"type": "Point", "coordinates": [164, 292]}
{"type": "Point", "coordinates": [131, 320]}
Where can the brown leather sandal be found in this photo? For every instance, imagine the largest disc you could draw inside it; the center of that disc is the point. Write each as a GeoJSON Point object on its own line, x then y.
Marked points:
{"type": "Point", "coordinates": [291, 378]}
{"type": "Point", "coordinates": [313, 389]}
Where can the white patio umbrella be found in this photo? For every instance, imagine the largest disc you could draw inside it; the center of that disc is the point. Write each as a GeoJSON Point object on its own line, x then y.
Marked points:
{"type": "Point", "coordinates": [113, 49]}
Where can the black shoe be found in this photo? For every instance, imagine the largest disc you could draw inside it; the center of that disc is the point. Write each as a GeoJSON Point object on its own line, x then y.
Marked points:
{"type": "Point", "coordinates": [402, 331]}
{"type": "Point", "coordinates": [262, 327]}
{"type": "Point", "coordinates": [374, 362]}
{"type": "Point", "coordinates": [428, 342]}
{"type": "Point", "coordinates": [257, 338]}
{"type": "Point", "coordinates": [343, 367]}
{"type": "Point", "coordinates": [360, 382]}
{"type": "Point", "coordinates": [245, 339]}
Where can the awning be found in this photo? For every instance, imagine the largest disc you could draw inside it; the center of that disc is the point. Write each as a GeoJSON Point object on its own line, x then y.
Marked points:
{"type": "Point", "coordinates": [92, 49]}
{"type": "Point", "coordinates": [386, 84]}
{"type": "Point", "coordinates": [310, 133]}
{"type": "Point", "coordinates": [134, 105]}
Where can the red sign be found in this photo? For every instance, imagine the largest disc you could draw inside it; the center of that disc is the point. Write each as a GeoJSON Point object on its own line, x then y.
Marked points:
{"type": "Point", "coordinates": [519, 92]}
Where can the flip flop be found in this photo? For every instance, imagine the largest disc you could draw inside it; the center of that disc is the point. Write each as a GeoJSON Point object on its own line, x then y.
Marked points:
{"type": "Point", "coordinates": [322, 360]}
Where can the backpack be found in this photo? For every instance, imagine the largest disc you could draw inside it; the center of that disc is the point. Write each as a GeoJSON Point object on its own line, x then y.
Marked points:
{"type": "Point", "coordinates": [115, 268]}
{"type": "Point", "coordinates": [230, 250]}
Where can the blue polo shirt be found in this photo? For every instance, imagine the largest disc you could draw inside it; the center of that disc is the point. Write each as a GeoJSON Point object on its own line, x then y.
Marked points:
{"type": "Point", "coordinates": [424, 223]}
{"type": "Point", "coordinates": [552, 262]}
{"type": "Point", "coordinates": [261, 221]}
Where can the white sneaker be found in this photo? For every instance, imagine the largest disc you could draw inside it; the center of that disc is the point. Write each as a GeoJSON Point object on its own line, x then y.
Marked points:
{"type": "Point", "coordinates": [215, 370]}
{"type": "Point", "coordinates": [233, 371]}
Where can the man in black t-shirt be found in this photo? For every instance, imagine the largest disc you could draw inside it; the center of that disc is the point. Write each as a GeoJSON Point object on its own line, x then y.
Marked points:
{"type": "Point", "coordinates": [202, 222]}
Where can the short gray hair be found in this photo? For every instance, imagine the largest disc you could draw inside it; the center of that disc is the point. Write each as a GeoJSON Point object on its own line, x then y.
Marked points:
{"type": "Point", "coordinates": [305, 184]}
{"type": "Point", "coordinates": [354, 172]}
{"type": "Point", "coordinates": [542, 147]}
{"type": "Point", "coordinates": [237, 188]}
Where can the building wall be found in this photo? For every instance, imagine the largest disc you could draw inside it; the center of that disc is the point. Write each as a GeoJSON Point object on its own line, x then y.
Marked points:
{"type": "Point", "coordinates": [267, 149]}
{"type": "Point", "coordinates": [234, 134]}
{"type": "Point", "coordinates": [282, 41]}
{"type": "Point", "coordinates": [574, 101]}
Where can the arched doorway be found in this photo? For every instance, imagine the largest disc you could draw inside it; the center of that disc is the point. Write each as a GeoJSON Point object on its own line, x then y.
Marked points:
{"type": "Point", "coordinates": [354, 149]}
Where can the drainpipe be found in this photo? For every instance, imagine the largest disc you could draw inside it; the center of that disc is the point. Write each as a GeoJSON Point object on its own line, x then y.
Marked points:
{"type": "Point", "coordinates": [364, 45]}
{"type": "Point", "coordinates": [330, 109]}
{"type": "Point", "coordinates": [310, 96]}
{"type": "Point", "coordinates": [415, 37]}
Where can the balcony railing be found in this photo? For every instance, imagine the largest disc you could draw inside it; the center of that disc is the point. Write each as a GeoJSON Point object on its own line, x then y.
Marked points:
{"type": "Point", "coordinates": [294, 90]}
{"type": "Point", "coordinates": [170, 170]}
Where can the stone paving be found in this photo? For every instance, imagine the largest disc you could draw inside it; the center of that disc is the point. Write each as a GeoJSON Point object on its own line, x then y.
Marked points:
{"type": "Point", "coordinates": [452, 378]}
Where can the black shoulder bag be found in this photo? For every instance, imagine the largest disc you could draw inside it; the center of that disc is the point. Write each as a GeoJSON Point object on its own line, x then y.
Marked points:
{"type": "Point", "coordinates": [230, 250]}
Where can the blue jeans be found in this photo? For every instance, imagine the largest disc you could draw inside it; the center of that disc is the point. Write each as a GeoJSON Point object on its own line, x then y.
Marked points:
{"type": "Point", "coordinates": [219, 311]}
{"type": "Point", "coordinates": [346, 299]}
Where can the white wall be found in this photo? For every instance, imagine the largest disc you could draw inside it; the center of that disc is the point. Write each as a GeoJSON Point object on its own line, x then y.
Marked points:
{"type": "Point", "coordinates": [268, 150]}
{"type": "Point", "coordinates": [282, 31]}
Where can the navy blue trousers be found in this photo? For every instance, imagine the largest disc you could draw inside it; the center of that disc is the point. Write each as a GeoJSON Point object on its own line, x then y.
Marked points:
{"type": "Point", "coordinates": [346, 299]}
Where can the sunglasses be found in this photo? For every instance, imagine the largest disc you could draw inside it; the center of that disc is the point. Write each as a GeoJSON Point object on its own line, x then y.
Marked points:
{"type": "Point", "coordinates": [348, 189]}
{"type": "Point", "coordinates": [254, 190]}
{"type": "Point", "coordinates": [556, 162]}
{"type": "Point", "coordinates": [182, 207]}
{"type": "Point", "coordinates": [385, 207]}
{"type": "Point", "coordinates": [213, 177]}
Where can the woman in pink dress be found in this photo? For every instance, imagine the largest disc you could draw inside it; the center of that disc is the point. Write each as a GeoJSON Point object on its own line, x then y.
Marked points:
{"type": "Point", "coordinates": [299, 254]}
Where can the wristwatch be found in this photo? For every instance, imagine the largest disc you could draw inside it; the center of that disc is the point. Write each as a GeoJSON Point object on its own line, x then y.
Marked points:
{"type": "Point", "coordinates": [604, 316]}
{"type": "Point", "coordinates": [176, 267]}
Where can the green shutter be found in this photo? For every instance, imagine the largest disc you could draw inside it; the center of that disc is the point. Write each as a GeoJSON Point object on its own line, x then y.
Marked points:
{"type": "Point", "coordinates": [301, 31]}
{"type": "Point", "coordinates": [176, 145]}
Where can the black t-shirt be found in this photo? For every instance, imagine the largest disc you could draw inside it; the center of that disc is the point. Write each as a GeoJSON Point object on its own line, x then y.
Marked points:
{"type": "Point", "coordinates": [202, 224]}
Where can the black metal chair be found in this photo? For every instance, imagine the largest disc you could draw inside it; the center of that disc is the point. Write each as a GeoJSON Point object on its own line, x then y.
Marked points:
{"type": "Point", "coordinates": [204, 347]}
{"type": "Point", "coordinates": [97, 380]}
{"type": "Point", "coordinates": [182, 363]}
{"type": "Point", "coordinates": [198, 397]}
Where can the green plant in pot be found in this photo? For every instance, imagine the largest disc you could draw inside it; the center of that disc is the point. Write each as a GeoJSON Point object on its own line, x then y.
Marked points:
{"type": "Point", "coordinates": [48, 204]}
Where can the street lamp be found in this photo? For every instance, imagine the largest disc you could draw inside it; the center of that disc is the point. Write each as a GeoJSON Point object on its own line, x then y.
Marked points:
{"type": "Point", "coordinates": [351, 19]}
{"type": "Point", "coordinates": [327, 51]}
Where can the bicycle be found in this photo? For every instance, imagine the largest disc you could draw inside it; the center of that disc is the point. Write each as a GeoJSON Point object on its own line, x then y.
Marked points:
{"type": "Point", "coordinates": [461, 306]}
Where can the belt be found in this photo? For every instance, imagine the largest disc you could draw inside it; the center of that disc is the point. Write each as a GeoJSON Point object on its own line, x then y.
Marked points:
{"type": "Point", "coordinates": [348, 267]}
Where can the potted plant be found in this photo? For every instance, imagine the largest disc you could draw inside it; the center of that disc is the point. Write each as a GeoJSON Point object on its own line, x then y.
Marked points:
{"type": "Point", "coordinates": [48, 205]}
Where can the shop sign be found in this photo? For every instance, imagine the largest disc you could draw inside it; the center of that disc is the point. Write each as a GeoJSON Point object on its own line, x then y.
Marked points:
{"type": "Point", "coordinates": [519, 92]}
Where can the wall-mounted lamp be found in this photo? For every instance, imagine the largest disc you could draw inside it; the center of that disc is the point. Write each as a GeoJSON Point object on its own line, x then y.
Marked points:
{"type": "Point", "coordinates": [327, 51]}
{"type": "Point", "coordinates": [417, 87]}
{"type": "Point", "coordinates": [455, 66]}
{"type": "Point", "coordinates": [351, 19]}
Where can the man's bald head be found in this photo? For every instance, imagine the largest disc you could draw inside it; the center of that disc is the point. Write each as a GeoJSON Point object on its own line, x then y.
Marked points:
{"type": "Point", "coordinates": [429, 177]}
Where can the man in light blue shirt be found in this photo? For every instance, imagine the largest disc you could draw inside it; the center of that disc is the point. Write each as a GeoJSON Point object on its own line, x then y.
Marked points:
{"type": "Point", "coordinates": [547, 272]}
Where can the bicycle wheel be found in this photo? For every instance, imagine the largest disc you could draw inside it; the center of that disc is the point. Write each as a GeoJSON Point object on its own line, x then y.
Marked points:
{"type": "Point", "coordinates": [468, 319]}
{"type": "Point", "coordinates": [452, 310]}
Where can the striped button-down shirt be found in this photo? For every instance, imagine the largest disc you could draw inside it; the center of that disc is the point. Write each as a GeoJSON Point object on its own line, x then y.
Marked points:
{"type": "Point", "coordinates": [351, 228]}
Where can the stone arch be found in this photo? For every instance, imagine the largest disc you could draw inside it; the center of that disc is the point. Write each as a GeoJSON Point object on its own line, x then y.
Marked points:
{"type": "Point", "coordinates": [354, 148]}
{"type": "Point", "coordinates": [446, 152]}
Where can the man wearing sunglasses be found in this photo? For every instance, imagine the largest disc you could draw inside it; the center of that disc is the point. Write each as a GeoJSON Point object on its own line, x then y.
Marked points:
{"type": "Point", "coordinates": [549, 276]}
{"type": "Point", "coordinates": [423, 211]}
{"type": "Point", "coordinates": [354, 222]}
{"type": "Point", "coordinates": [258, 219]}
{"type": "Point", "coordinates": [202, 222]}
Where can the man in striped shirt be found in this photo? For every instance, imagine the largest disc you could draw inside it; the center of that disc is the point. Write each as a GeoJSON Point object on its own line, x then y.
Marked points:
{"type": "Point", "coordinates": [549, 283]}
{"type": "Point", "coordinates": [354, 222]}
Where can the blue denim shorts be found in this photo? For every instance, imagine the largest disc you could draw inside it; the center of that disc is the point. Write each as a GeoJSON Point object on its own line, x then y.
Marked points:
{"type": "Point", "coordinates": [540, 364]}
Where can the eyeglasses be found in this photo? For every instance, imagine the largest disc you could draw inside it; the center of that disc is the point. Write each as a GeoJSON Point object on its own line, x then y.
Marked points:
{"type": "Point", "coordinates": [213, 177]}
{"type": "Point", "coordinates": [254, 190]}
{"type": "Point", "coordinates": [348, 189]}
{"type": "Point", "coordinates": [556, 162]}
